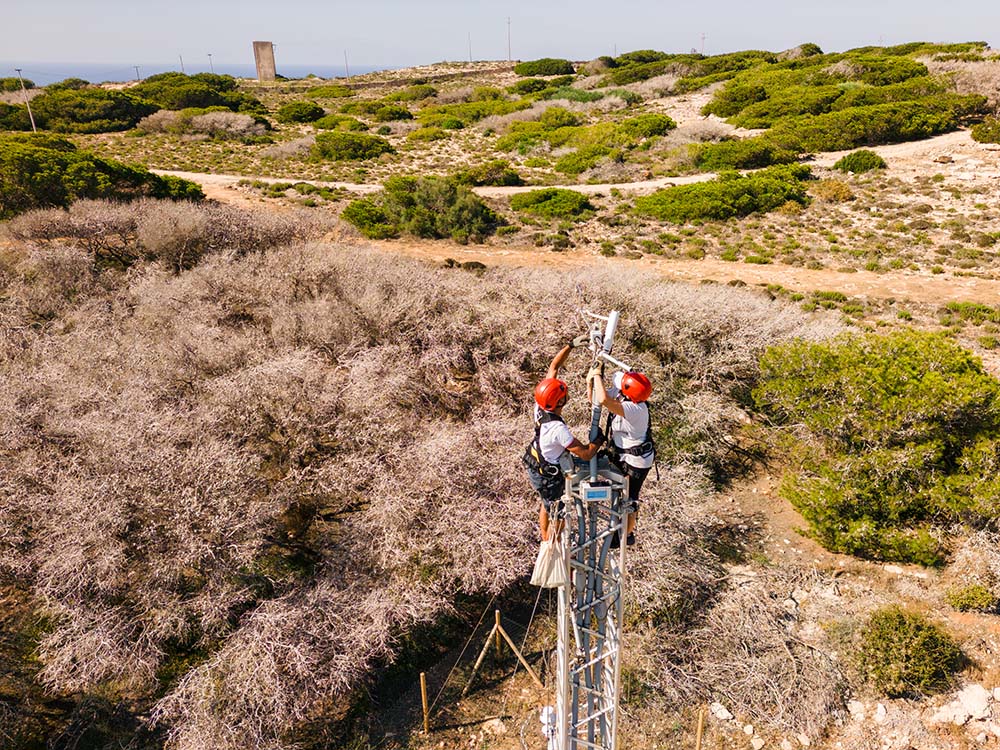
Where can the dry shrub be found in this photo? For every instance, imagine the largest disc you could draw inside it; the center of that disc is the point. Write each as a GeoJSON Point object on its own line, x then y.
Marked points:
{"type": "Point", "coordinates": [222, 125]}
{"type": "Point", "coordinates": [832, 190]}
{"type": "Point", "coordinates": [652, 88]}
{"type": "Point", "coordinates": [975, 563]}
{"type": "Point", "coordinates": [979, 77]}
{"type": "Point", "coordinates": [176, 233]}
{"type": "Point", "coordinates": [456, 96]}
{"type": "Point", "coordinates": [286, 459]}
{"type": "Point", "coordinates": [299, 147]}
{"type": "Point", "coordinates": [502, 123]}
{"type": "Point", "coordinates": [748, 652]}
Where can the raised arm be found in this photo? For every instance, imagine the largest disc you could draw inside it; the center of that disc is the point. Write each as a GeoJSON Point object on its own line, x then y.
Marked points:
{"type": "Point", "coordinates": [558, 361]}
{"type": "Point", "coordinates": [597, 385]}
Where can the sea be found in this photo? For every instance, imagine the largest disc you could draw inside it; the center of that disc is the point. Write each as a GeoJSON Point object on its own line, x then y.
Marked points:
{"type": "Point", "coordinates": [43, 74]}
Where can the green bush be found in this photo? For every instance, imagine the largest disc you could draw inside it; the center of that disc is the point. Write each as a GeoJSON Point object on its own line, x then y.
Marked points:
{"type": "Point", "coordinates": [552, 203]}
{"type": "Point", "coordinates": [729, 195]}
{"type": "Point", "coordinates": [907, 429]}
{"type": "Point", "coordinates": [89, 110]}
{"type": "Point", "coordinates": [470, 112]}
{"type": "Point", "coordinates": [365, 107]}
{"type": "Point", "coordinates": [339, 122]}
{"type": "Point", "coordinates": [749, 153]}
{"type": "Point", "coordinates": [430, 207]}
{"type": "Point", "coordinates": [870, 126]}
{"type": "Point", "coordinates": [988, 131]}
{"type": "Point", "coordinates": [545, 66]}
{"type": "Point", "coordinates": [417, 92]}
{"type": "Point", "coordinates": [178, 91]}
{"type": "Point", "coordinates": [528, 86]}
{"type": "Point", "coordinates": [903, 655]}
{"type": "Point", "coordinates": [427, 135]}
{"type": "Point", "coordinates": [331, 91]}
{"type": "Point", "coordinates": [42, 171]}
{"type": "Point", "coordinates": [573, 95]}
{"type": "Point", "coordinates": [581, 160]}
{"type": "Point", "coordinates": [14, 117]}
{"type": "Point", "coordinates": [647, 125]}
{"type": "Point", "coordinates": [72, 84]}
{"type": "Point", "coordinates": [859, 162]}
{"type": "Point", "coordinates": [391, 113]}
{"type": "Point", "coordinates": [344, 146]}
{"type": "Point", "coordinates": [14, 84]}
{"type": "Point", "coordinates": [299, 112]}
{"type": "Point", "coordinates": [973, 598]}
{"type": "Point", "coordinates": [498, 173]}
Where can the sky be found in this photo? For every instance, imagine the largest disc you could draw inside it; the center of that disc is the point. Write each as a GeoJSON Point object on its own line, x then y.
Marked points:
{"type": "Point", "coordinates": [398, 33]}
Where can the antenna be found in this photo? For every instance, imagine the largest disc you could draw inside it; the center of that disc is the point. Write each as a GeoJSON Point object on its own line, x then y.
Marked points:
{"type": "Point", "coordinates": [470, 46]}
{"type": "Point", "coordinates": [27, 101]}
{"type": "Point", "coordinates": [347, 70]}
{"type": "Point", "coordinates": [508, 39]}
{"type": "Point", "coordinates": [591, 606]}
{"type": "Point", "coordinates": [210, 65]}
{"type": "Point", "coordinates": [703, 42]}
{"type": "Point", "coordinates": [137, 76]}
{"type": "Point", "coordinates": [181, 58]}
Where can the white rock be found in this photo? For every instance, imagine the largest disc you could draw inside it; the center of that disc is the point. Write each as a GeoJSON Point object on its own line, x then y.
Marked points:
{"type": "Point", "coordinates": [495, 726]}
{"type": "Point", "coordinates": [976, 700]}
{"type": "Point", "coordinates": [803, 740]}
{"type": "Point", "coordinates": [856, 709]}
{"type": "Point", "coordinates": [893, 569]}
{"type": "Point", "coordinates": [996, 693]}
{"type": "Point", "coordinates": [981, 738]}
{"type": "Point", "coordinates": [786, 745]}
{"type": "Point", "coordinates": [880, 713]}
{"type": "Point", "coordinates": [757, 743]}
{"type": "Point", "coordinates": [994, 728]}
{"type": "Point", "coordinates": [721, 712]}
{"type": "Point", "coordinates": [748, 729]}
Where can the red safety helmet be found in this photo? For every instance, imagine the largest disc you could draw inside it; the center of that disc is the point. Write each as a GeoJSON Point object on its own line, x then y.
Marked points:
{"type": "Point", "coordinates": [636, 387]}
{"type": "Point", "coordinates": [550, 393]}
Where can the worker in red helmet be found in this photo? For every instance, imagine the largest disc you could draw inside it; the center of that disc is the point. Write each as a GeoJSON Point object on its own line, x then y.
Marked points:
{"type": "Point", "coordinates": [550, 455]}
{"type": "Point", "coordinates": [629, 432]}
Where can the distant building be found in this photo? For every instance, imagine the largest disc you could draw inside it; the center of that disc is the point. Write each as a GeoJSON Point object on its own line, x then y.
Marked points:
{"type": "Point", "coordinates": [263, 56]}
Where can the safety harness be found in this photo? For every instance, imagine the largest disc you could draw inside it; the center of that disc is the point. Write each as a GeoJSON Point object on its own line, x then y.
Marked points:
{"type": "Point", "coordinates": [533, 457]}
{"type": "Point", "coordinates": [644, 448]}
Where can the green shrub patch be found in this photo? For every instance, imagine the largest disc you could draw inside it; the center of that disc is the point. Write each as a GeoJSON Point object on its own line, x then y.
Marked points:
{"type": "Point", "coordinates": [903, 655]}
{"type": "Point", "coordinates": [729, 195]}
{"type": "Point", "coordinates": [429, 207]}
{"type": "Point", "coordinates": [552, 203]}
{"type": "Point", "coordinates": [988, 131]}
{"type": "Point", "coordinates": [299, 112]}
{"type": "Point", "coordinates": [545, 66]}
{"type": "Point", "coordinates": [905, 440]}
{"type": "Point", "coordinates": [346, 146]}
{"type": "Point", "coordinates": [859, 162]}
{"type": "Point", "coordinates": [331, 91]}
{"type": "Point", "coordinates": [42, 171]}
{"type": "Point", "coordinates": [89, 110]}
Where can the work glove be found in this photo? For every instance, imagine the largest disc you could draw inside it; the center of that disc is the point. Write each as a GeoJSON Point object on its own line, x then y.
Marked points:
{"type": "Point", "coordinates": [582, 340]}
{"type": "Point", "coordinates": [601, 438]}
{"type": "Point", "coordinates": [595, 369]}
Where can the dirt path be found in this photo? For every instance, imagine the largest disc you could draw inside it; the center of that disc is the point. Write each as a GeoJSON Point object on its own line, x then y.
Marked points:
{"type": "Point", "coordinates": [905, 159]}
{"type": "Point", "coordinates": [900, 285]}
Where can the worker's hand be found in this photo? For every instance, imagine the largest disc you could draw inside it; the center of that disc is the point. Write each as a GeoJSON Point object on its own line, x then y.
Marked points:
{"type": "Point", "coordinates": [601, 438]}
{"type": "Point", "coordinates": [595, 369]}
{"type": "Point", "coordinates": [582, 340]}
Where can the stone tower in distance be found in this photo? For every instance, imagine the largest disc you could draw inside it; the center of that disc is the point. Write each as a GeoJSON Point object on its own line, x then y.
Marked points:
{"type": "Point", "coordinates": [263, 55]}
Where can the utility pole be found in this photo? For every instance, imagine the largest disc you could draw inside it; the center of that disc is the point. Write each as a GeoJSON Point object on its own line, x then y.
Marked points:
{"type": "Point", "coordinates": [210, 65]}
{"type": "Point", "coordinates": [470, 46]}
{"type": "Point", "coordinates": [27, 101]}
{"type": "Point", "coordinates": [347, 70]}
{"type": "Point", "coordinates": [181, 58]}
{"type": "Point", "coordinates": [137, 76]}
{"type": "Point", "coordinates": [508, 40]}
{"type": "Point", "coordinates": [703, 42]}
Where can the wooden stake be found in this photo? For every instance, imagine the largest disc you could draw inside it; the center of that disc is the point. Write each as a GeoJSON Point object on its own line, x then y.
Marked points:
{"type": "Point", "coordinates": [423, 697]}
{"type": "Point", "coordinates": [479, 662]}
{"type": "Point", "coordinates": [520, 658]}
{"type": "Point", "coordinates": [701, 728]}
{"type": "Point", "coordinates": [496, 630]}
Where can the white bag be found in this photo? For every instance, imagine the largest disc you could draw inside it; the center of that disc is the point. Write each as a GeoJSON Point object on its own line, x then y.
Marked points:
{"type": "Point", "coordinates": [550, 567]}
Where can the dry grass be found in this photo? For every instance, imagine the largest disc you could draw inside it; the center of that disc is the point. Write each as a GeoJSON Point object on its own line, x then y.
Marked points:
{"type": "Point", "coordinates": [248, 455]}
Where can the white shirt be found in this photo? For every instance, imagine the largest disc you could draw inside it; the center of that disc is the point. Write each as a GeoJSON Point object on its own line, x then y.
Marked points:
{"type": "Point", "coordinates": [630, 430]}
{"type": "Point", "coordinates": [553, 438]}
